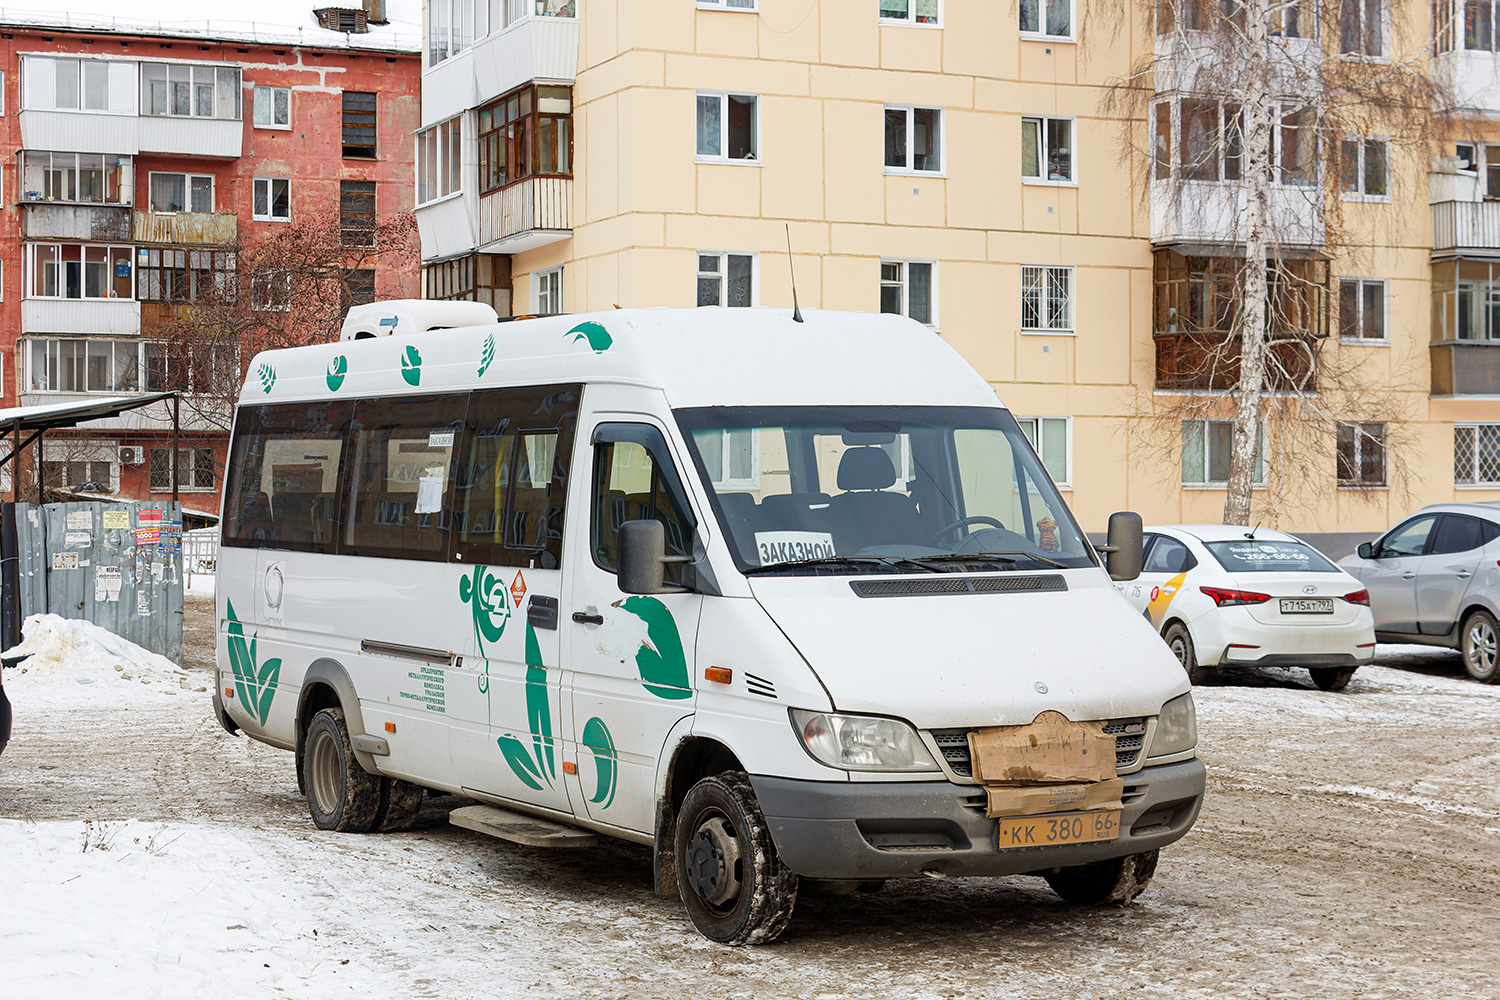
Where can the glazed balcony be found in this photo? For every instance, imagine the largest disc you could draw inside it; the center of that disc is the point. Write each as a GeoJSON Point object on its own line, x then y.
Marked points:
{"type": "Point", "coordinates": [537, 46]}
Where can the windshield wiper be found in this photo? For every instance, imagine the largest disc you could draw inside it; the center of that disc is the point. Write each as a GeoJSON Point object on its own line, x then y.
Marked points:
{"type": "Point", "coordinates": [1010, 557]}
{"type": "Point", "coordinates": [888, 561]}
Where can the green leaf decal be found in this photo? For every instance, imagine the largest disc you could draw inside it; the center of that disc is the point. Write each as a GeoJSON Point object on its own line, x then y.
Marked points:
{"type": "Point", "coordinates": [489, 604]}
{"type": "Point", "coordinates": [596, 737]}
{"type": "Point", "coordinates": [520, 761]}
{"type": "Point", "coordinates": [598, 338]}
{"type": "Point", "coordinates": [538, 712]}
{"type": "Point", "coordinates": [270, 673]}
{"type": "Point", "coordinates": [487, 353]}
{"type": "Point", "coordinates": [411, 365]}
{"type": "Point", "coordinates": [337, 369]}
{"type": "Point", "coordinates": [256, 688]}
{"type": "Point", "coordinates": [267, 376]}
{"type": "Point", "coordinates": [660, 660]}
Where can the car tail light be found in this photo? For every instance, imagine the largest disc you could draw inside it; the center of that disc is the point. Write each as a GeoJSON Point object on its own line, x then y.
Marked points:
{"type": "Point", "coordinates": [1359, 597]}
{"type": "Point", "coordinates": [1229, 598]}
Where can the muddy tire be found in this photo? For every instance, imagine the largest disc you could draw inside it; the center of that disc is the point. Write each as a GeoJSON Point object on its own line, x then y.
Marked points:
{"type": "Point", "coordinates": [1479, 641]}
{"type": "Point", "coordinates": [341, 795]}
{"type": "Point", "coordinates": [732, 881]}
{"type": "Point", "coordinates": [1181, 644]}
{"type": "Point", "coordinates": [1331, 678]}
{"type": "Point", "coordinates": [1116, 881]}
{"type": "Point", "coordinates": [400, 801]}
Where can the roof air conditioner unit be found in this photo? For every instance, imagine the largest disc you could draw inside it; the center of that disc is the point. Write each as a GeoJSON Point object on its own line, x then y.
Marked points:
{"type": "Point", "coordinates": [132, 455]}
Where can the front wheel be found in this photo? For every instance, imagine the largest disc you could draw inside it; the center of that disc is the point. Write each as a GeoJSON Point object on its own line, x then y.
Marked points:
{"type": "Point", "coordinates": [733, 883]}
{"type": "Point", "coordinates": [1117, 881]}
{"type": "Point", "coordinates": [1181, 644]}
{"type": "Point", "coordinates": [1331, 678]}
{"type": "Point", "coordinates": [1481, 647]}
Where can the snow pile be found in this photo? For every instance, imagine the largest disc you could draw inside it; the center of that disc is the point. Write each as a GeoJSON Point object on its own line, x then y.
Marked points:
{"type": "Point", "coordinates": [72, 649]}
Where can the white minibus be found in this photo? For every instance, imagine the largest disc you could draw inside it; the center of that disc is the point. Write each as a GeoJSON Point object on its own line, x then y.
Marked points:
{"type": "Point", "coordinates": [771, 595]}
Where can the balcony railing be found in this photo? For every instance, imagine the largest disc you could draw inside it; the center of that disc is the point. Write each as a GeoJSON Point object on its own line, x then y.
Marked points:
{"type": "Point", "coordinates": [179, 228]}
{"type": "Point", "coordinates": [1210, 362]}
{"type": "Point", "coordinates": [1465, 368]}
{"type": "Point", "coordinates": [528, 214]}
{"type": "Point", "coordinates": [1466, 225]}
{"type": "Point", "coordinates": [42, 220]}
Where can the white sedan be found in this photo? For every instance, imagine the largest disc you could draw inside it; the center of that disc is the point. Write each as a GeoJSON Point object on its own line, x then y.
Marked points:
{"type": "Point", "coordinates": [1224, 595]}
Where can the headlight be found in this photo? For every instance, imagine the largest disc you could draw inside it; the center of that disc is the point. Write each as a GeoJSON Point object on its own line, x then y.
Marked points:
{"type": "Point", "coordinates": [861, 742]}
{"type": "Point", "coordinates": [1176, 727]}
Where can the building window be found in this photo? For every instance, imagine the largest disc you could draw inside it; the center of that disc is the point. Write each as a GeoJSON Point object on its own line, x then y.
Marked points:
{"type": "Point", "coordinates": [1361, 309]}
{"type": "Point", "coordinates": [1362, 28]}
{"type": "Point", "coordinates": [727, 4]}
{"type": "Point", "coordinates": [359, 287]}
{"type": "Point", "coordinates": [913, 139]}
{"type": "Point", "coordinates": [731, 457]}
{"type": "Point", "coordinates": [182, 192]}
{"type": "Point", "coordinates": [273, 107]}
{"type": "Point", "coordinates": [178, 90]}
{"type": "Point", "coordinates": [1361, 454]}
{"type": "Point", "coordinates": [1047, 299]}
{"type": "Point", "coordinates": [1047, 149]}
{"type": "Point", "coordinates": [1047, 18]}
{"type": "Point", "coordinates": [1201, 140]}
{"type": "Point", "coordinates": [1206, 451]}
{"type": "Point", "coordinates": [58, 365]}
{"type": "Point", "coordinates": [1476, 454]}
{"type": "Point", "coordinates": [198, 368]}
{"type": "Point", "coordinates": [70, 271]}
{"type": "Point", "coordinates": [357, 213]}
{"type": "Point", "coordinates": [72, 475]}
{"type": "Point", "coordinates": [172, 275]}
{"type": "Point", "coordinates": [549, 292]}
{"type": "Point", "coordinates": [271, 291]}
{"type": "Point", "coordinates": [526, 133]}
{"type": "Point", "coordinates": [195, 469]}
{"type": "Point", "coordinates": [1364, 167]}
{"type": "Point", "coordinates": [924, 12]}
{"type": "Point", "coordinates": [50, 84]}
{"type": "Point", "coordinates": [1482, 160]}
{"type": "Point", "coordinates": [726, 279]}
{"type": "Point", "coordinates": [450, 28]}
{"type": "Point", "coordinates": [1051, 438]}
{"type": "Point", "coordinates": [439, 161]}
{"type": "Point", "coordinates": [907, 289]}
{"type": "Point", "coordinates": [728, 127]}
{"type": "Point", "coordinates": [273, 199]}
{"type": "Point", "coordinates": [359, 125]}
{"type": "Point", "coordinates": [93, 178]}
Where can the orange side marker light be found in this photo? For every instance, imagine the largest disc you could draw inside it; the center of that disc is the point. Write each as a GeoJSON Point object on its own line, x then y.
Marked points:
{"type": "Point", "coordinates": [229, 692]}
{"type": "Point", "coordinates": [569, 767]}
{"type": "Point", "coordinates": [719, 675]}
{"type": "Point", "coordinates": [390, 727]}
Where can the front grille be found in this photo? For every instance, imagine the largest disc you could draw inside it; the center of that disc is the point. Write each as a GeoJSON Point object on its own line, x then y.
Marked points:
{"type": "Point", "coordinates": [1033, 583]}
{"type": "Point", "coordinates": [1129, 734]}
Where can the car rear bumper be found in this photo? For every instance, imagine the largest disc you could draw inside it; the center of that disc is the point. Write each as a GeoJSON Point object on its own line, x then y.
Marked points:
{"type": "Point", "coordinates": [1238, 639]}
{"type": "Point", "coordinates": [872, 830]}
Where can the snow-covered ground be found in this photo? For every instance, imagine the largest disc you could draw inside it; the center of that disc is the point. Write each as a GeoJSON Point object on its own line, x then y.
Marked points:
{"type": "Point", "coordinates": [1349, 847]}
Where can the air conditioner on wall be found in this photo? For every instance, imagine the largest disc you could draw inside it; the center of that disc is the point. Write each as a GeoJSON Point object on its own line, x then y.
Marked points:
{"type": "Point", "coordinates": [132, 455]}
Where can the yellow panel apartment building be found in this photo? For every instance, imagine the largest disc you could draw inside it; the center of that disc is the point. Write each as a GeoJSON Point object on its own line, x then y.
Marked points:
{"type": "Point", "coordinates": [960, 161]}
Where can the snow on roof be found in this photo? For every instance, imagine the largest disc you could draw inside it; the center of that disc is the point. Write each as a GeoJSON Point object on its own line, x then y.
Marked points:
{"type": "Point", "coordinates": [276, 22]}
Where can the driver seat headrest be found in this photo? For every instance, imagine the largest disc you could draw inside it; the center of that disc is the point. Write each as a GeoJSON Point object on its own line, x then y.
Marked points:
{"type": "Point", "coordinates": [866, 468]}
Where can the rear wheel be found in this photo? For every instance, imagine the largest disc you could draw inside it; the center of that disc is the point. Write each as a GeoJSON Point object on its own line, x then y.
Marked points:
{"type": "Point", "coordinates": [1181, 645]}
{"type": "Point", "coordinates": [732, 881]}
{"type": "Point", "coordinates": [1331, 678]}
{"type": "Point", "coordinates": [1117, 881]}
{"type": "Point", "coordinates": [400, 801]}
{"type": "Point", "coordinates": [1481, 647]}
{"type": "Point", "coordinates": [341, 795]}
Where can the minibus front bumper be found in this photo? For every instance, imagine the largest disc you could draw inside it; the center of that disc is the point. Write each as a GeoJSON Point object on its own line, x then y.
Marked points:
{"type": "Point", "coordinates": [874, 830]}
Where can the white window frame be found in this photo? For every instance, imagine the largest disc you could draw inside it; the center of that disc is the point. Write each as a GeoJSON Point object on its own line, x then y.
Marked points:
{"type": "Point", "coordinates": [1385, 33]}
{"type": "Point", "coordinates": [1071, 326]}
{"type": "Point", "coordinates": [730, 484]}
{"type": "Point", "coordinates": [1385, 312]}
{"type": "Point", "coordinates": [723, 276]}
{"type": "Point", "coordinates": [1041, 152]}
{"type": "Point", "coordinates": [1043, 35]}
{"type": "Point", "coordinates": [26, 360]}
{"type": "Point", "coordinates": [1259, 483]}
{"type": "Point", "coordinates": [909, 21]}
{"type": "Point", "coordinates": [261, 285]}
{"type": "Point", "coordinates": [1038, 437]}
{"type": "Point", "coordinates": [1360, 142]}
{"type": "Point", "coordinates": [271, 98]}
{"type": "Point", "coordinates": [911, 122]}
{"type": "Point", "coordinates": [723, 97]}
{"type": "Point", "coordinates": [553, 295]}
{"type": "Point", "coordinates": [270, 215]}
{"type": "Point", "coordinates": [1474, 482]}
{"type": "Point", "coordinates": [30, 160]}
{"type": "Point", "coordinates": [1172, 106]}
{"type": "Point", "coordinates": [187, 190]}
{"type": "Point", "coordinates": [1361, 441]}
{"type": "Point", "coordinates": [905, 284]}
{"type": "Point", "coordinates": [30, 249]}
{"type": "Point", "coordinates": [441, 136]}
{"type": "Point", "coordinates": [2, 113]}
{"type": "Point", "coordinates": [738, 6]}
{"type": "Point", "coordinates": [130, 67]}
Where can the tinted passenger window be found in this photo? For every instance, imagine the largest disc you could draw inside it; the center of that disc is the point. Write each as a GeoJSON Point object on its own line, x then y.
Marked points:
{"type": "Point", "coordinates": [402, 453]}
{"type": "Point", "coordinates": [513, 476]}
{"type": "Point", "coordinates": [1409, 539]}
{"type": "Point", "coordinates": [1169, 556]}
{"type": "Point", "coordinates": [1456, 533]}
{"type": "Point", "coordinates": [282, 487]}
{"type": "Point", "coordinates": [634, 480]}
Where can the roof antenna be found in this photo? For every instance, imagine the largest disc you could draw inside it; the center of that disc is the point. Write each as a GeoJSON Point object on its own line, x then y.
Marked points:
{"type": "Point", "coordinates": [796, 310]}
{"type": "Point", "coordinates": [1251, 533]}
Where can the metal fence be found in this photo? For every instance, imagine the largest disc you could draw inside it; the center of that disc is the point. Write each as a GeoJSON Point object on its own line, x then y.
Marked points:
{"type": "Point", "coordinates": [200, 553]}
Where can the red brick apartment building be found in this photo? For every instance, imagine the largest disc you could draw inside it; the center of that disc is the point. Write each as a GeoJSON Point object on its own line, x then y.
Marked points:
{"type": "Point", "coordinates": [138, 161]}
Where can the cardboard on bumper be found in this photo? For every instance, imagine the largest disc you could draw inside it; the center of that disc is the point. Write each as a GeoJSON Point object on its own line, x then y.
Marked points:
{"type": "Point", "coordinates": [1050, 765]}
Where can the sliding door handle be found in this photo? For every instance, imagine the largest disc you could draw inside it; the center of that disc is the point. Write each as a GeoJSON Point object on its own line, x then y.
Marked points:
{"type": "Point", "coordinates": [584, 618]}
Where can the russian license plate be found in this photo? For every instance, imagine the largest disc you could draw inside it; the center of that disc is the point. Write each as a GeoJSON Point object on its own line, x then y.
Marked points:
{"type": "Point", "coordinates": [1061, 828]}
{"type": "Point", "coordinates": [1307, 605]}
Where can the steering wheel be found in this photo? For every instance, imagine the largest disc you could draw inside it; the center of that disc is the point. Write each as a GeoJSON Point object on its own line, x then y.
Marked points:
{"type": "Point", "coordinates": [971, 519]}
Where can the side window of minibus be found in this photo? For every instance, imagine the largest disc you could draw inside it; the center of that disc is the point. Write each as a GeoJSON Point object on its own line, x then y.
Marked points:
{"type": "Point", "coordinates": [635, 480]}
{"type": "Point", "coordinates": [282, 486]}
{"type": "Point", "coordinates": [512, 480]}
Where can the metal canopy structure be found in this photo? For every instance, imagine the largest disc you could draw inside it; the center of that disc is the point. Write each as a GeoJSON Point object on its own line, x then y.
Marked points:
{"type": "Point", "coordinates": [38, 419]}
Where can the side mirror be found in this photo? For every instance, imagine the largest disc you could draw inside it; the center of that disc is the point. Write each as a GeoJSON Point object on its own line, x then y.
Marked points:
{"type": "Point", "coordinates": [1123, 553]}
{"type": "Point", "coordinates": [1365, 551]}
{"type": "Point", "coordinates": [643, 558]}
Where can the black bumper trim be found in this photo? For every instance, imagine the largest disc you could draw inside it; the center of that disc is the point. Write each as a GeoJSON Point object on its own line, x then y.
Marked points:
{"type": "Point", "coordinates": [1299, 660]}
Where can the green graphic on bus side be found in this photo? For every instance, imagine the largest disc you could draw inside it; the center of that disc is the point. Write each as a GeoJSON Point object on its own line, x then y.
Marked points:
{"type": "Point", "coordinates": [660, 660]}
{"type": "Point", "coordinates": [598, 338]}
{"type": "Point", "coordinates": [487, 354]}
{"type": "Point", "coordinates": [533, 771]}
{"type": "Point", "coordinates": [256, 685]}
{"type": "Point", "coordinates": [411, 365]}
{"type": "Point", "coordinates": [489, 604]}
{"type": "Point", "coordinates": [337, 369]}
{"type": "Point", "coordinates": [267, 376]}
{"type": "Point", "coordinates": [596, 737]}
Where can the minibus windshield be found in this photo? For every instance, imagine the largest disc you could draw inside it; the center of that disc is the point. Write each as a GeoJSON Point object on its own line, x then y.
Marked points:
{"type": "Point", "coordinates": [880, 489]}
